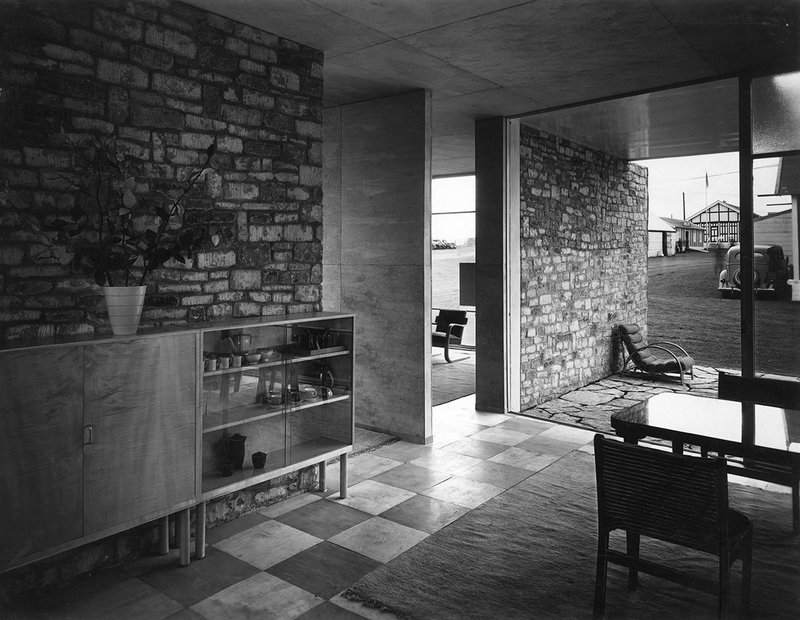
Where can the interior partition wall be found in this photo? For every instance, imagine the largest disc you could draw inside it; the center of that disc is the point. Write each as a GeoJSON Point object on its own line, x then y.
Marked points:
{"type": "Point", "coordinates": [377, 254]}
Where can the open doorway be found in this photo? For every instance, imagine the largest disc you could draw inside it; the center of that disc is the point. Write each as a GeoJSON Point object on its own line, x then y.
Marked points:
{"type": "Point", "coordinates": [453, 284]}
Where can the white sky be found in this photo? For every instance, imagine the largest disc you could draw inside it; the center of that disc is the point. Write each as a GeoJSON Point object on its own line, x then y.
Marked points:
{"type": "Point", "coordinates": [669, 180]}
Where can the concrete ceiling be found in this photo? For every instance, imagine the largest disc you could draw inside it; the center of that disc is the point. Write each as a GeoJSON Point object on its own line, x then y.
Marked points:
{"type": "Point", "coordinates": [483, 58]}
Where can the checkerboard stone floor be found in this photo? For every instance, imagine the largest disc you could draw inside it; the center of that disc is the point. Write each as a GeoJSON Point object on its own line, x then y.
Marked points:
{"type": "Point", "coordinates": [295, 558]}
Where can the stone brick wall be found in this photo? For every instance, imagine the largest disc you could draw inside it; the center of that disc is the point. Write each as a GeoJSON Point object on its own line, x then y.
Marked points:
{"type": "Point", "coordinates": [168, 78]}
{"type": "Point", "coordinates": [583, 262]}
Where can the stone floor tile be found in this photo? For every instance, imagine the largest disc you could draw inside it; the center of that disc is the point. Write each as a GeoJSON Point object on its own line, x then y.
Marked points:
{"type": "Point", "coordinates": [200, 579]}
{"type": "Point", "coordinates": [325, 569]}
{"type": "Point", "coordinates": [504, 436]}
{"type": "Point", "coordinates": [361, 610]}
{"type": "Point", "coordinates": [107, 596]}
{"type": "Point", "coordinates": [426, 514]}
{"type": "Point", "coordinates": [261, 596]}
{"type": "Point", "coordinates": [496, 474]}
{"type": "Point", "coordinates": [464, 492]}
{"type": "Point", "coordinates": [404, 451]}
{"type": "Point", "coordinates": [323, 519]}
{"type": "Point", "coordinates": [569, 434]}
{"type": "Point", "coordinates": [289, 504]}
{"type": "Point", "coordinates": [518, 457]}
{"type": "Point", "coordinates": [379, 539]}
{"type": "Point", "coordinates": [449, 462]}
{"type": "Point", "coordinates": [369, 465]}
{"type": "Point", "coordinates": [374, 497]}
{"type": "Point", "coordinates": [267, 544]}
{"type": "Point", "coordinates": [475, 447]}
{"type": "Point", "coordinates": [328, 611]}
{"type": "Point", "coordinates": [412, 478]}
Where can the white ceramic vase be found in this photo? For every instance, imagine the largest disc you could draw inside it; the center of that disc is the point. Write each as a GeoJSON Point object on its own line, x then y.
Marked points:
{"type": "Point", "coordinates": [124, 304]}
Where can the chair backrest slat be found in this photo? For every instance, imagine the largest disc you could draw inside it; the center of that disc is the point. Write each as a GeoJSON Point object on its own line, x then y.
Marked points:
{"type": "Point", "coordinates": [675, 498]}
{"type": "Point", "coordinates": [773, 391]}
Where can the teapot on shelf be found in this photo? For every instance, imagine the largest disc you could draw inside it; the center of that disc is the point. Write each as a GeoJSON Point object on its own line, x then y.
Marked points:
{"type": "Point", "coordinates": [239, 343]}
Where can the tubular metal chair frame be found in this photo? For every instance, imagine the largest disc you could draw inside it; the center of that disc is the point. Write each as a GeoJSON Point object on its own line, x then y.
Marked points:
{"type": "Point", "coordinates": [452, 333]}
{"type": "Point", "coordinates": [678, 499]}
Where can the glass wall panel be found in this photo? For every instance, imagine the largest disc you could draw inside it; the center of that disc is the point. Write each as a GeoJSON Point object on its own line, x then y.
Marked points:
{"type": "Point", "coordinates": [776, 130]}
{"type": "Point", "coordinates": [776, 113]}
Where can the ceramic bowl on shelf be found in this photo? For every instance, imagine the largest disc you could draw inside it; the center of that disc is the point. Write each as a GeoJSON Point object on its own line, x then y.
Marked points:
{"type": "Point", "coordinates": [252, 358]}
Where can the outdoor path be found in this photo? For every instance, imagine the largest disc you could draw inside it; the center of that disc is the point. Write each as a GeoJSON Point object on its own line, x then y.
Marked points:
{"type": "Point", "coordinates": [591, 406]}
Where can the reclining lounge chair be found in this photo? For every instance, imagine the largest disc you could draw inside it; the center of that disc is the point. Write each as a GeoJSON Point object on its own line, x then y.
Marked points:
{"type": "Point", "coordinates": [671, 360]}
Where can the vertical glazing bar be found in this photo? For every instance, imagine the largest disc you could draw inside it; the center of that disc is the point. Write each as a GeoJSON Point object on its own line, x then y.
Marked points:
{"type": "Point", "coordinates": [746, 226]}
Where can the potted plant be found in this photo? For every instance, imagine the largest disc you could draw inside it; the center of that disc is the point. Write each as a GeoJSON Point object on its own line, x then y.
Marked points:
{"type": "Point", "coordinates": [109, 236]}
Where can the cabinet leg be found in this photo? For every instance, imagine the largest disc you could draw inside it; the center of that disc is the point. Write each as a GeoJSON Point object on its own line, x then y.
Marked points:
{"type": "Point", "coordinates": [343, 476]}
{"type": "Point", "coordinates": [163, 535]}
{"type": "Point", "coordinates": [322, 477]}
{"type": "Point", "coordinates": [185, 536]}
{"type": "Point", "coordinates": [200, 531]}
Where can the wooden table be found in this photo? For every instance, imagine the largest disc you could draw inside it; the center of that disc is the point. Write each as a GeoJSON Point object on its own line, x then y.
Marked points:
{"type": "Point", "coordinates": [765, 441]}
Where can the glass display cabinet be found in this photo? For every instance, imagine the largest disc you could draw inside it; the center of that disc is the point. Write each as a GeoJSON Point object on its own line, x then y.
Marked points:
{"type": "Point", "coordinates": [275, 397]}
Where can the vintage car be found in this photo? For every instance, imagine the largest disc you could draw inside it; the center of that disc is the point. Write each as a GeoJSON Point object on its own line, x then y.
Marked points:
{"type": "Point", "coordinates": [770, 271]}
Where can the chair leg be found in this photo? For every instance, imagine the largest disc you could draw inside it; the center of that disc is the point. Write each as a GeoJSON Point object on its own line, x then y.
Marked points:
{"type": "Point", "coordinates": [747, 564]}
{"type": "Point", "coordinates": [632, 548]}
{"type": "Point", "coordinates": [601, 576]}
{"type": "Point", "coordinates": [447, 350]}
{"type": "Point", "coordinates": [724, 586]}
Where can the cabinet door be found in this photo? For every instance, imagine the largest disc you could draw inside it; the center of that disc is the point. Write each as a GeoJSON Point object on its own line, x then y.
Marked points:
{"type": "Point", "coordinates": [40, 450]}
{"type": "Point", "coordinates": [140, 401]}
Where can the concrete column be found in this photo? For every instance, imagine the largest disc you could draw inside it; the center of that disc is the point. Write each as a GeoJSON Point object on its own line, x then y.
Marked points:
{"type": "Point", "coordinates": [497, 258]}
{"type": "Point", "coordinates": [377, 254]}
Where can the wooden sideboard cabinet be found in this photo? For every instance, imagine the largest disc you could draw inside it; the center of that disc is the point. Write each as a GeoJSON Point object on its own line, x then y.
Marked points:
{"type": "Point", "coordinates": [94, 438]}
{"type": "Point", "coordinates": [104, 434]}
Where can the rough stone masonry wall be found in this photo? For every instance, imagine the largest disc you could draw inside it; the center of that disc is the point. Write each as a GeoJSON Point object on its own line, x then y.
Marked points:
{"type": "Point", "coordinates": [168, 78]}
{"type": "Point", "coordinates": [583, 262]}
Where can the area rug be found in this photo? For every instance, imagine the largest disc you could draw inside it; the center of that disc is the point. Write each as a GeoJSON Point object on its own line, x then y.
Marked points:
{"type": "Point", "coordinates": [450, 381]}
{"type": "Point", "coordinates": [530, 553]}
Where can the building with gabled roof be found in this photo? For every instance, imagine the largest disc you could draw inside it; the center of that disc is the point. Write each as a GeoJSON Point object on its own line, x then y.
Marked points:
{"type": "Point", "coordinates": [719, 221]}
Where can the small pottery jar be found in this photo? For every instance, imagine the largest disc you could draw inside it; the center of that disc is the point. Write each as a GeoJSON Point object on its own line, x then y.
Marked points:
{"type": "Point", "coordinates": [259, 460]}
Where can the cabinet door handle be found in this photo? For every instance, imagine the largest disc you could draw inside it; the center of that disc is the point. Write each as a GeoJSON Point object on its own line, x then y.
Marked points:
{"type": "Point", "coordinates": [88, 434]}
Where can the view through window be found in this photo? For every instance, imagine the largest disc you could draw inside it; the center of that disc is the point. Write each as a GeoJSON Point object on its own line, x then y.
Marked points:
{"type": "Point", "coordinates": [453, 240]}
{"type": "Point", "coordinates": [693, 223]}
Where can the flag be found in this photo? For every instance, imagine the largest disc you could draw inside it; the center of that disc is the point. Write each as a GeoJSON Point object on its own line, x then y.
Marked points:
{"type": "Point", "coordinates": [706, 179]}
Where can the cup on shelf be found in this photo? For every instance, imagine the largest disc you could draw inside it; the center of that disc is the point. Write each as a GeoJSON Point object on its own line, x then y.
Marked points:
{"type": "Point", "coordinates": [259, 460]}
{"type": "Point", "coordinates": [236, 360]}
{"type": "Point", "coordinates": [226, 468]}
{"type": "Point", "coordinates": [210, 364]}
{"type": "Point", "coordinates": [224, 362]}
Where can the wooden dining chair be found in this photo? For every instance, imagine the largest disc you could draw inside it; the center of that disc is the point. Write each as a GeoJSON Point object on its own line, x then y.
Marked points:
{"type": "Point", "coordinates": [678, 499]}
{"type": "Point", "coordinates": [782, 392]}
